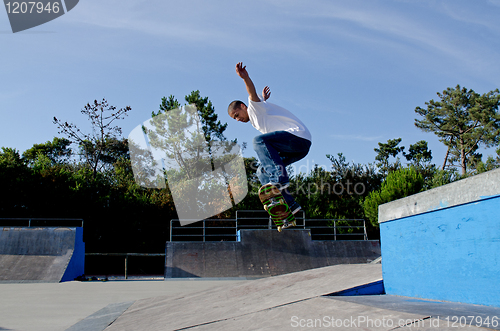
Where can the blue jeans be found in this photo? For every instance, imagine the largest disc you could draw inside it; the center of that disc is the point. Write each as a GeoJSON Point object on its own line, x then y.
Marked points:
{"type": "Point", "coordinates": [275, 151]}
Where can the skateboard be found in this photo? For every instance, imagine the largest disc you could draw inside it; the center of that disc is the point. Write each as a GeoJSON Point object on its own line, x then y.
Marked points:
{"type": "Point", "coordinates": [276, 206]}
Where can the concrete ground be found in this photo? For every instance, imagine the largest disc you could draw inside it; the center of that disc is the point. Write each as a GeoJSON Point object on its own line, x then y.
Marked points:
{"type": "Point", "coordinates": [58, 306]}
{"type": "Point", "coordinates": [296, 301]}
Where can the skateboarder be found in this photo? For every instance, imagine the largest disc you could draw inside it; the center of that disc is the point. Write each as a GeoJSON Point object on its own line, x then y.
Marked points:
{"type": "Point", "coordinates": [284, 139]}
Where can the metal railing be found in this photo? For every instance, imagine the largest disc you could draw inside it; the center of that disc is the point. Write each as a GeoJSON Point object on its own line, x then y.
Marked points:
{"type": "Point", "coordinates": [126, 256]}
{"type": "Point", "coordinates": [227, 229]}
{"type": "Point", "coordinates": [333, 229]}
{"type": "Point", "coordinates": [42, 222]}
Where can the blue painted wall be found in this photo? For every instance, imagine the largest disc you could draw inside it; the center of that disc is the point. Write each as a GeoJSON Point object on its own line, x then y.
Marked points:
{"type": "Point", "coordinates": [451, 254]}
{"type": "Point", "coordinates": [76, 265]}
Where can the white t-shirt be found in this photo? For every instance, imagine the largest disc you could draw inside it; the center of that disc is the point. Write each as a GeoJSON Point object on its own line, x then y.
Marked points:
{"type": "Point", "coordinates": [267, 117]}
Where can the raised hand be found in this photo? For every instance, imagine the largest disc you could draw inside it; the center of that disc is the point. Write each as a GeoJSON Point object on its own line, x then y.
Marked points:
{"type": "Point", "coordinates": [266, 93]}
{"type": "Point", "coordinates": [241, 70]}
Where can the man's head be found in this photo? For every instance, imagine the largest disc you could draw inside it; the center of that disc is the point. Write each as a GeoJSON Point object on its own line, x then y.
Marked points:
{"type": "Point", "coordinates": [238, 111]}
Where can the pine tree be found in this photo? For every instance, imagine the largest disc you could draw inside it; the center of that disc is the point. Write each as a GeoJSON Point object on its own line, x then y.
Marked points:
{"type": "Point", "coordinates": [464, 121]}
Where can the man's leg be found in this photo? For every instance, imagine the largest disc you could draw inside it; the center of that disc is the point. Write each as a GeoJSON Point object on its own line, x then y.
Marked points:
{"type": "Point", "coordinates": [275, 151]}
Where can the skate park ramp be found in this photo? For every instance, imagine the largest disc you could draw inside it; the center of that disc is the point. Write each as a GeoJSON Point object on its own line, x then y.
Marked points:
{"type": "Point", "coordinates": [263, 253]}
{"type": "Point", "coordinates": [253, 305]}
{"type": "Point", "coordinates": [444, 243]}
{"type": "Point", "coordinates": [45, 254]}
{"type": "Point", "coordinates": [344, 297]}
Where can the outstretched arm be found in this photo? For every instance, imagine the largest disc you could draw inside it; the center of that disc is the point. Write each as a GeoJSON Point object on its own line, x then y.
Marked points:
{"type": "Point", "coordinates": [242, 72]}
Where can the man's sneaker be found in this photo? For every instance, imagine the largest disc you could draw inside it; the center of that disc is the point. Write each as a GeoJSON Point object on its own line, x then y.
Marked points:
{"type": "Point", "coordinates": [295, 208]}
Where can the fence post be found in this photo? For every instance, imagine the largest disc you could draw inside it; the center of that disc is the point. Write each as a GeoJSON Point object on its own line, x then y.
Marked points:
{"type": "Point", "coordinates": [334, 230]}
{"type": "Point", "coordinates": [126, 266]}
{"type": "Point", "coordinates": [364, 227]}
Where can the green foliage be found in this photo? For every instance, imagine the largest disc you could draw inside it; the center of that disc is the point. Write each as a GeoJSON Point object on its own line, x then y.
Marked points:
{"type": "Point", "coordinates": [398, 184]}
{"type": "Point", "coordinates": [10, 158]}
{"type": "Point", "coordinates": [14, 181]}
{"type": "Point", "coordinates": [122, 215]}
{"type": "Point", "coordinates": [251, 200]}
{"type": "Point", "coordinates": [102, 146]}
{"type": "Point", "coordinates": [464, 121]}
{"type": "Point", "coordinates": [419, 154]}
{"type": "Point", "coordinates": [419, 157]}
{"type": "Point", "coordinates": [211, 126]}
{"type": "Point", "coordinates": [56, 151]}
{"type": "Point", "coordinates": [102, 154]}
{"type": "Point", "coordinates": [492, 162]}
{"type": "Point", "coordinates": [186, 151]}
{"type": "Point", "coordinates": [193, 142]}
{"type": "Point", "coordinates": [385, 151]}
{"type": "Point", "coordinates": [443, 177]}
{"type": "Point", "coordinates": [337, 193]}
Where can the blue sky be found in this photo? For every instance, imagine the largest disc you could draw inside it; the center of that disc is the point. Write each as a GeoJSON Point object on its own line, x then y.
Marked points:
{"type": "Point", "coordinates": [353, 71]}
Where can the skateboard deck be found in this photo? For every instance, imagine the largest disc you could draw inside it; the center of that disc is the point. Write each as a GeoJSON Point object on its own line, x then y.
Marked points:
{"type": "Point", "coordinates": [276, 206]}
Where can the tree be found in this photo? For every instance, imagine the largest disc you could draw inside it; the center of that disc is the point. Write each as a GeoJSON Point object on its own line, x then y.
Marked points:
{"type": "Point", "coordinates": [385, 151]}
{"type": "Point", "coordinates": [464, 121]}
{"type": "Point", "coordinates": [57, 151]}
{"type": "Point", "coordinates": [15, 180]}
{"type": "Point", "coordinates": [102, 146]}
{"type": "Point", "coordinates": [10, 158]}
{"type": "Point", "coordinates": [335, 194]}
{"type": "Point", "coordinates": [182, 139]}
{"type": "Point", "coordinates": [196, 155]}
{"type": "Point", "coordinates": [419, 157]}
{"type": "Point", "coordinates": [419, 154]}
{"type": "Point", "coordinates": [177, 133]}
{"type": "Point", "coordinates": [212, 127]}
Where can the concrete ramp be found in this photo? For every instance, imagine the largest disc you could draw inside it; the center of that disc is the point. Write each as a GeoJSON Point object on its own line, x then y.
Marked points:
{"type": "Point", "coordinates": [253, 305]}
{"type": "Point", "coordinates": [41, 254]}
{"type": "Point", "coordinates": [262, 253]}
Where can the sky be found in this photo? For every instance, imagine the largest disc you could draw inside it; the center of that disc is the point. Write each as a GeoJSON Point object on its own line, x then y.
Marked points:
{"type": "Point", "coordinates": [353, 71]}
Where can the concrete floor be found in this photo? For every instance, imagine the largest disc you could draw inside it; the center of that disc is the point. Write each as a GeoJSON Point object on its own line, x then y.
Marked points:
{"type": "Point", "coordinates": [296, 301]}
{"type": "Point", "coordinates": [57, 306]}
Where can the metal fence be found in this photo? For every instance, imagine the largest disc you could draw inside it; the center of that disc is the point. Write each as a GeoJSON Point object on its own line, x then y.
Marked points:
{"type": "Point", "coordinates": [227, 229]}
{"type": "Point", "coordinates": [42, 222]}
{"type": "Point", "coordinates": [126, 258]}
{"type": "Point", "coordinates": [214, 230]}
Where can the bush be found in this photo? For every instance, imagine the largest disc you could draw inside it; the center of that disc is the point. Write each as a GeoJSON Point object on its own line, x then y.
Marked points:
{"type": "Point", "coordinates": [398, 184]}
{"type": "Point", "coordinates": [443, 177]}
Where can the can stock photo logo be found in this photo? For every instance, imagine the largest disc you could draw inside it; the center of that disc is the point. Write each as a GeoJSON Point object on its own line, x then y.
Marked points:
{"type": "Point", "coordinates": [205, 177]}
{"type": "Point", "coordinates": [25, 15]}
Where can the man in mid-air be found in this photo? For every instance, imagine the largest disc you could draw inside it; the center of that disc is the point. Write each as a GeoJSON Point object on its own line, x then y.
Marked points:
{"type": "Point", "coordinates": [284, 139]}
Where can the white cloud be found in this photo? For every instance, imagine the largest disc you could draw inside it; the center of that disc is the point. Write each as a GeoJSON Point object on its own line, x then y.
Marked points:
{"type": "Point", "coordinates": [435, 31]}
{"type": "Point", "coordinates": [474, 16]}
{"type": "Point", "coordinates": [333, 33]}
{"type": "Point", "coordinates": [156, 18]}
{"type": "Point", "coordinates": [280, 25]}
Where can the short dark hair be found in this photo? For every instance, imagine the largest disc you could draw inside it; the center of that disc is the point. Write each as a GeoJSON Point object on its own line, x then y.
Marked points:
{"type": "Point", "coordinates": [234, 105]}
